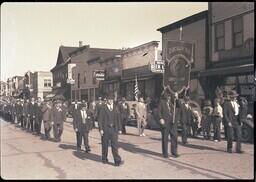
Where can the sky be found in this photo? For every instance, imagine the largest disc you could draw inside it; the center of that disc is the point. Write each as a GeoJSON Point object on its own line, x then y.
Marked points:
{"type": "Point", "coordinates": [31, 33]}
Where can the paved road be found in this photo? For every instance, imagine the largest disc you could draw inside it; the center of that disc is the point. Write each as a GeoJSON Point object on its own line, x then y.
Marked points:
{"type": "Point", "coordinates": [25, 156]}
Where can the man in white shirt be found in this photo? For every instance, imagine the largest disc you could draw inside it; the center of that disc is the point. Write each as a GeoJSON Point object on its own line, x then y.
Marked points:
{"type": "Point", "coordinates": [230, 113]}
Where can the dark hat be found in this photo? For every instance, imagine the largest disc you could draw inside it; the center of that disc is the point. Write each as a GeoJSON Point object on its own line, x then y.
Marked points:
{"type": "Point", "coordinates": [207, 103]}
{"type": "Point", "coordinates": [232, 93]}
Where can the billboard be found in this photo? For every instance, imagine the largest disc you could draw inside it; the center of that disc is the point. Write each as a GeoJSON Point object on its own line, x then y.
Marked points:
{"type": "Point", "coordinates": [178, 58]}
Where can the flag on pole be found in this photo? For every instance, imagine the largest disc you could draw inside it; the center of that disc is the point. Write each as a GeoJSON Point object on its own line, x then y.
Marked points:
{"type": "Point", "coordinates": [136, 89]}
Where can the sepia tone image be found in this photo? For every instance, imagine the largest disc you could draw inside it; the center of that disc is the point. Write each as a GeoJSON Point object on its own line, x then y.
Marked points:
{"type": "Point", "coordinates": [127, 90]}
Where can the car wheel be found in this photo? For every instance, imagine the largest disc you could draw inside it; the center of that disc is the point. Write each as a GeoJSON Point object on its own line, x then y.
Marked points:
{"type": "Point", "coordinates": [246, 133]}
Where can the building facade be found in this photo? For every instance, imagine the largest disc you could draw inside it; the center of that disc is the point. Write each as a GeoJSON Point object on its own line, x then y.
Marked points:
{"type": "Point", "coordinates": [194, 30]}
{"type": "Point", "coordinates": [60, 72]}
{"type": "Point", "coordinates": [42, 84]}
{"type": "Point", "coordinates": [88, 60]}
{"type": "Point", "coordinates": [231, 48]}
{"type": "Point", "coordinates": [3, 88]}
{"type": "Point", "coordinates": [138, 62]}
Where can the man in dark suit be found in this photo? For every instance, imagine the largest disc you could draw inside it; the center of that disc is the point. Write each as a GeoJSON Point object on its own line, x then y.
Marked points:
{"type": "Point", "coordinates": [97, 109]}
{"type": "Point", "coordinates": [47, 117]}
{"type": "Point", "coordinates": [39, 116]}
{"type": "Point", "coordinates": [125, 112]}
{"type": "Point", "coordinates": [82, 124]}
{"type": "Point", "coordinates": [231, 113]}
{"type": "Point", "coordinates": [32, 115]}
{"type": "Point", "coordinates": [74, 106]}
{"type": "Point", "coordinates": [186, 116]}
{"type": "Point", "coordinates": [168, 126]}
{"type": "Point", "coordinates": [58, 118]}
{"type": "Point", "coordinates": [110, 126]}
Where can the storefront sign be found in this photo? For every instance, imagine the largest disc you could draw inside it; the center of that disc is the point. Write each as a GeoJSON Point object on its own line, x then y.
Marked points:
{"type": "Point", "coordinates": [178, 60]}
{"type": "Point", "coordinates": [99, 74]}
{"type": "Point", "coordinates": [158, 66]}
{"type": "Point", "coordinates": [70, 79]}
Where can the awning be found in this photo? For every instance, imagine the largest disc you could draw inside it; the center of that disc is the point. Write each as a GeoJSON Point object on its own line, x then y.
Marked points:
{"type": "Point", "coordinates": [247, 68]}
{"type": "Point", "coordinates": [55, 92]}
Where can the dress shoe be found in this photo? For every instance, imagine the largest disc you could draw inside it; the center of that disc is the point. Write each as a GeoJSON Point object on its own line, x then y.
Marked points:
{"type": "Point", "coordinates": [229, 150]}
{"type": "Point", "coordinates": [105, 161]}
{"type": "Point", "coordinates": [165, 156]}
{"type": "Point", "coordinates": [175, 155]}
{"type": "Point", "coordinates": [240, 151]}
{"type": "Point", "coordinates": [119, 163]}
{"type": "Point", "coordinates": [88, 150]}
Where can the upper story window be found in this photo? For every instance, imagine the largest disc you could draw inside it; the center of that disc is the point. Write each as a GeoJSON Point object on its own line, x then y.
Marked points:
{"type": "Point", "coordinates": [47, 83]}
{"type": "Point", "coordinates": [85, 77]}
{"type": "Point", "coordinates": [78, 80]}
{"type": "Point", "coordinates": [237, 32]}
{"type": "Point", "coordinates": [219, 37]}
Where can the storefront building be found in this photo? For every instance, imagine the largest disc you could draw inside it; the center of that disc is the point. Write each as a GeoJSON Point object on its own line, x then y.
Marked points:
{"type": "Point", "coordinates": [231, 48]}
{"type": "Point", "coordinates": [194, 30]}
{"type": "Point", "coordinates": [113, 70]}
{"type": "Point", "coordinates": [88, 61]}
{"type": "Point", "coordinates": [138, 62]}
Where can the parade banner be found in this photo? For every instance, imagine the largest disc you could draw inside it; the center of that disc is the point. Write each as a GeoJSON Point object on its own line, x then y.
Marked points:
{"type": "Point", "coordinates": [178, 58]}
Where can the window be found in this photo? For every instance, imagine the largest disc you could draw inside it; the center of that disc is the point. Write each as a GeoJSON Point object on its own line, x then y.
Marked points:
{"type": "Point", "coordinates": [78, 80]}
{"type": "Point", "coordinates": [85, 77]}
{"type": "Point", "coordinates": [237, 32]}
{"type": "Point", "coordinates": [47, 83]}
{"type": "Point", "coordinates": [219, 37]}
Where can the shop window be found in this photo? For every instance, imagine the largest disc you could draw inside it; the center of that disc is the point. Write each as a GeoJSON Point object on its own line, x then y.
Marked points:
{"type": "Point", "coordinates": [230, 80]}
{"type": "Point", "coordinates": [219, 37]}
{"type": "Point", "coordinates": [242, 79]}
{"type": "Point", "coordinates": [237, 32]}
{"type": "Point", "coordinates": [250, 78]}
{"type": "Point", "coordinates": [85, 77]}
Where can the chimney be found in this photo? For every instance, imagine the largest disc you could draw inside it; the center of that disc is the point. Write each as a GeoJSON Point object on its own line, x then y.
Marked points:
{"type": "Point", "coordinates": [80, 43]}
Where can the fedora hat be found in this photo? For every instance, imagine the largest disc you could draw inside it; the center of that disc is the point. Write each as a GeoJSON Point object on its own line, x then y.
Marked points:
{"type": "Point", "coordinates": [232, 93]}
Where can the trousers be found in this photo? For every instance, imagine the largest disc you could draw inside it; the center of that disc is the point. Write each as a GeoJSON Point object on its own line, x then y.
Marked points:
{"type": "Point", "coordinates": [110, 135]}
{"type": "Point", "coordinates": [171, 130]}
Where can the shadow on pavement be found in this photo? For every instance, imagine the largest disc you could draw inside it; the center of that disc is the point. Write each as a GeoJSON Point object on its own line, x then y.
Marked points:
{"type": "Point", "coordinates": [65, 146]}
{"type": "Point", "coordinates": [200, 147]}
{"type": "Point", "coordinates": [134, 149]}
{"type": "Point", "coordinates": [82, 155]}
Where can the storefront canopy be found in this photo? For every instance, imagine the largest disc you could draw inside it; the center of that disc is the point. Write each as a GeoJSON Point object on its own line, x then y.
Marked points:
{"type": "Point", "coordinates": [247, 68]}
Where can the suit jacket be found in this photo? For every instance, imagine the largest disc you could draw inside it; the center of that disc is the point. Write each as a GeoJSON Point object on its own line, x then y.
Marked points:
{"type": "Point", "coordinates": [25, 109]}
{"type": "Point", "coordinates": [141, 112]}
{"type": "Point", "coordinates": [165, 112]}
{"type": "Point", "coordinates": [186, 114]}
{"type": "Point", "coordinates": [73, 109]}
{"type": "Point", "coordinates": [98, 108]}
{"type": "Point", "coordinates": [124, 110]}
{"type": "Point", "coordinates": [38, 111]}
{"type": "Point", "coordinates": [104, 118]}
{"type": "Point", "coordinates": [58, 117]}
{"type": "Point", "coordinates": [229, 114]}
{"type": "Point", "coordinates": [46, 112]}
{"type": "Point", "coordinates": [32, 109]}
{"type": "Point", "coordinates": [78, 121]}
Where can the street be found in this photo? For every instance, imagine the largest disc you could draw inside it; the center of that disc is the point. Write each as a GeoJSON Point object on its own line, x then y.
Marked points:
{"type": "Point", "coordinates": [26, 156]}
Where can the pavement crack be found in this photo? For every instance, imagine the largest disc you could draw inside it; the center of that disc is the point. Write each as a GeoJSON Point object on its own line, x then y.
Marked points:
{"type": "Point", "coordinates": [48, 163]}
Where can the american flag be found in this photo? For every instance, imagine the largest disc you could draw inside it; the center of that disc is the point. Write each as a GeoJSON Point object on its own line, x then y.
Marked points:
{"type": "Point", "coordinates": [136, 89]}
